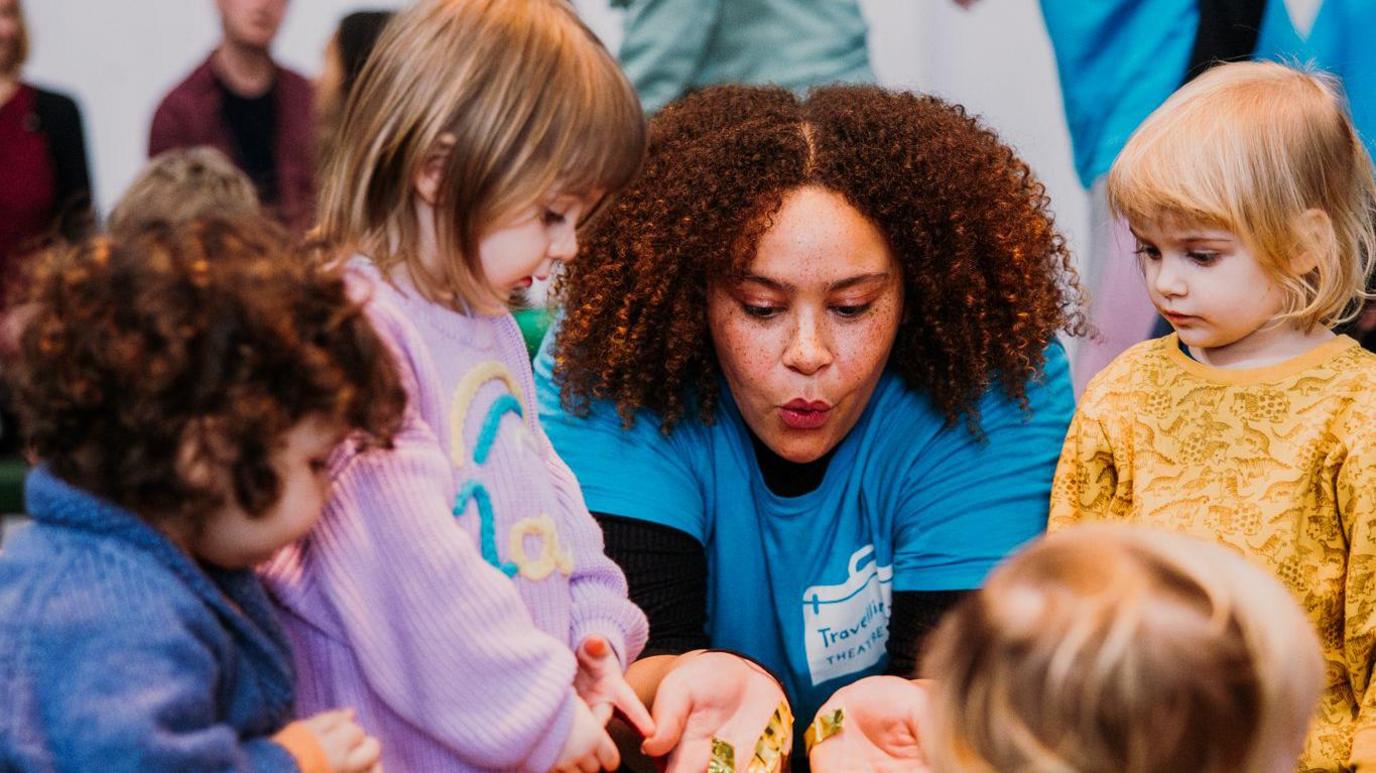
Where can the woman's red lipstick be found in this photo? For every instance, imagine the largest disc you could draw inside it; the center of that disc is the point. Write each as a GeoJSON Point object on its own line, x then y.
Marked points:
{"type": "Point", "coordinates": [805, 414]}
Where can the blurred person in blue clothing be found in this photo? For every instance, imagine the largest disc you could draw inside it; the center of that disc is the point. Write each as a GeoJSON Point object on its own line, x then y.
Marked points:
{"type": "Point", "coordinates": [672, 47]}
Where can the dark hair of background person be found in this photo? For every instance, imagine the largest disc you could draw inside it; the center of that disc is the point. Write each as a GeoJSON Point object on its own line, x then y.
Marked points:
{"type": "Point", "coordinates": [353, 42]}
{"type": "Point", "coordinates": [988, 280]}
{"type": "Point", "coordinates": [358, 33]}
{"type": "Point", "coordinates": [215, 333]}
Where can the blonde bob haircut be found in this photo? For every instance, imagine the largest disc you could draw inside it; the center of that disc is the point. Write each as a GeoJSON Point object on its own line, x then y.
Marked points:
{"type": "Point", "coordinates": [1257, 148]}
{"type": "Point", "coordinates": [21, 47]}
{"type": "Point", "coordinates": [1119, 649]}
{"type": "Point", "coordinates": [519, 97]}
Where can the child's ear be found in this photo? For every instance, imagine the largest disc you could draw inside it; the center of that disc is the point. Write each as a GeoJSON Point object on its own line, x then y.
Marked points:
{"type": "Point", "coordinates": [1316, 239]}
{"type": "Point", "coordinates": [431, 172]}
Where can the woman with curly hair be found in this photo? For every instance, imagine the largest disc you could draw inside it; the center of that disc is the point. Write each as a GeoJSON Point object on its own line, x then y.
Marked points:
{"type": "Point", "coordinates": [808, 378]}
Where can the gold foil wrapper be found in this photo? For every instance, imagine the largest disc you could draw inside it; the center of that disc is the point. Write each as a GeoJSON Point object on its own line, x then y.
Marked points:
{"type": "Point", "coordinates": [723, 759]}
{"type": "Point", "coordinates": [771, 750]}
{"type": "Point", "coordinates": [824, 727]}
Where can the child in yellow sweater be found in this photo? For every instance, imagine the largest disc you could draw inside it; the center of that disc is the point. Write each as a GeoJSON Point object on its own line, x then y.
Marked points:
{"type": "Point", "coordinates": [1251, 198]}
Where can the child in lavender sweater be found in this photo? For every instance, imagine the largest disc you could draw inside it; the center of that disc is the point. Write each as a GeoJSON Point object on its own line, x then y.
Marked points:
{"type": "Point", "coordinates": [456, 591]}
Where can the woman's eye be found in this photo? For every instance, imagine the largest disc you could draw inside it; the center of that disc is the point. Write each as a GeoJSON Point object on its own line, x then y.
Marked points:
{"type": "Point", "coordinates": [1147, 252]}
{"type": "Point", "coordinates": [760, 312]}
{"type": "Point", "coordinates": [1202, 257]}
{"type": "Point", "coordinates": [850, 311]}
{"type": "Point", "coordinates": [553, 218]}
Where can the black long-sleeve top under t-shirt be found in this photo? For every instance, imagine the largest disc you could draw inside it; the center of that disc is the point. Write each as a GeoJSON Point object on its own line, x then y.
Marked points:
{"type": "Point", "coordinates": [666, 570]}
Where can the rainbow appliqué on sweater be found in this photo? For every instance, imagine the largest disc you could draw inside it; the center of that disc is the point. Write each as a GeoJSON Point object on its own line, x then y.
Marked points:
{"type": "Point", "coordinates": [552, 554]}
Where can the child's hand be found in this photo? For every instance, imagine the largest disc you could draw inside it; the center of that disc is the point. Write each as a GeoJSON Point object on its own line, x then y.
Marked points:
{"type": "Point", "coordinates": [603, 687]}
{"type": "Point", "coordinates": [588, 747]}
{"type": "Point", "coordinates": [347, 747]}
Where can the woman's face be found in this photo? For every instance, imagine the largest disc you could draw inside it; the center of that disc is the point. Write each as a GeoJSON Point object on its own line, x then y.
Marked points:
{"type": "Point", "coordinates": [9, 35]}
{"type": "Point", "coordinates": [804, 336]}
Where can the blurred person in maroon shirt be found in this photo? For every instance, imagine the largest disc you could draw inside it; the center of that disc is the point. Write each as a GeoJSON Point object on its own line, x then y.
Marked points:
{"type": "Point", "coordinates": [45, 186]}
{"type": "Point", "coordinates": [249, 107]}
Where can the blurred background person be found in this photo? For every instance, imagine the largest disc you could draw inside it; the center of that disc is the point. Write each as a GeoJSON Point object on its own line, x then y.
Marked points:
{"type": "Point", "coordinates": [45, 187]}
{"type": "Point", "coordinates": [249, 107]}
{"type": "Point", "coordinates": [345, 55]}
{"type": "Point", "coordinates": [672, 47]}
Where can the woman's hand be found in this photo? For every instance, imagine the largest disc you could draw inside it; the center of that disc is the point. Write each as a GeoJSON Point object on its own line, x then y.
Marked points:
{"type": "Point", "coordinates": [879, 732]}
{"type": "Point", "coordinates": [600, 683]}
{"type": "Point", "coordinates": [706, 695]}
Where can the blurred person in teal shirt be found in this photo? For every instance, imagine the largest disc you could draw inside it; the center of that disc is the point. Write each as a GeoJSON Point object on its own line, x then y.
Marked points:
{"type": "Point", "coordinates": [672, 47]}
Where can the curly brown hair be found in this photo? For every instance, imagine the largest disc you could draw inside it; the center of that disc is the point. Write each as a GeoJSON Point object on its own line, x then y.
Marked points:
{"type": "Point", "coordinates": [988, 280]}
{"type": "Point", "coordinates": [218, 332]}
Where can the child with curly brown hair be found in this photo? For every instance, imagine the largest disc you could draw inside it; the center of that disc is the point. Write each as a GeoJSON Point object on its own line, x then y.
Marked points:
{"type": "Point", "coordinates": [456, 590]}
{"type": "Point", "coordinates": [184, 390]}
{"type": "Point", "coordinates": [1252, 200]}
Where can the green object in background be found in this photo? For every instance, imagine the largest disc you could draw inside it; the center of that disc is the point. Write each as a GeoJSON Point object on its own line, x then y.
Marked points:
{"type": "Point", "coordinates": [534, 323]}
{"type": "Point", "coordinates": [12, 472]}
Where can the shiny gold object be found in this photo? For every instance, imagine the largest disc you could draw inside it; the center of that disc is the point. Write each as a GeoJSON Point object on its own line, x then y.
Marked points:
{"type": "Point", "coordinates": [723, 759]}
{"type": "Point", "coordinates": [824, 727]}
{"type": "Point", "coordinates": [771, 750]}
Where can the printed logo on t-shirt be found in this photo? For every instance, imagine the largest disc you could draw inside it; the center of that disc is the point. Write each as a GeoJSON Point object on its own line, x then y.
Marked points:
{"type": "Point", "coordinates": [847, 625]}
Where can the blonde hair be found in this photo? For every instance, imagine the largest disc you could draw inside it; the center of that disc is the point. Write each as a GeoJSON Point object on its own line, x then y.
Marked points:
{"type": "Point", "coordinates": [1119, 649]}
{"type": "Point", "coordinates": [531, 101]}
{"type": "Point", "coordinates": [21, 46]}
{"type": "Point", "coordinates": [181, 185]}
{"type": "Point", "coordinates": [1251, 147]}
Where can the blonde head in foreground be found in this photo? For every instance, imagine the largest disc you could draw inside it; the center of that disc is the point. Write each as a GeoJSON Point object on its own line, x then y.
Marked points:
{"type": "Point", "coordinates": [1117, 649]}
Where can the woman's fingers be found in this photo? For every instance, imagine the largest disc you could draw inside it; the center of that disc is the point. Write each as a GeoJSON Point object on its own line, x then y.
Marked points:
{"type": "Point", "coordinates": [672, 707]}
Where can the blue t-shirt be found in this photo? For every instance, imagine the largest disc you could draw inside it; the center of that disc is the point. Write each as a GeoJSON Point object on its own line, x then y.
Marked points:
{"type": "Point", "coordinates": [804, 583]}
{"type": "Point", "coordinates": [1118, 60]}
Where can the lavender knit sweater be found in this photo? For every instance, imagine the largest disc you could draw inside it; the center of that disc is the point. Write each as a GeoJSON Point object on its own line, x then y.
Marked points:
{"type": "Point", "coordinates": [450, 577]}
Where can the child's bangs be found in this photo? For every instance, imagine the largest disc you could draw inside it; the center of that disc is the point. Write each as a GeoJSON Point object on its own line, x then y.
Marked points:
{"type": "Point", "coordinates": [1162, 176]}
{"type": "Point", "coordinates": [598, 131]}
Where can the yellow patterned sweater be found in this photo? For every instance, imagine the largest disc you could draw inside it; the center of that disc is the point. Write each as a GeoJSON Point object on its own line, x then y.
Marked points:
{"type": "Point", "coordinates": [1278, 463]}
